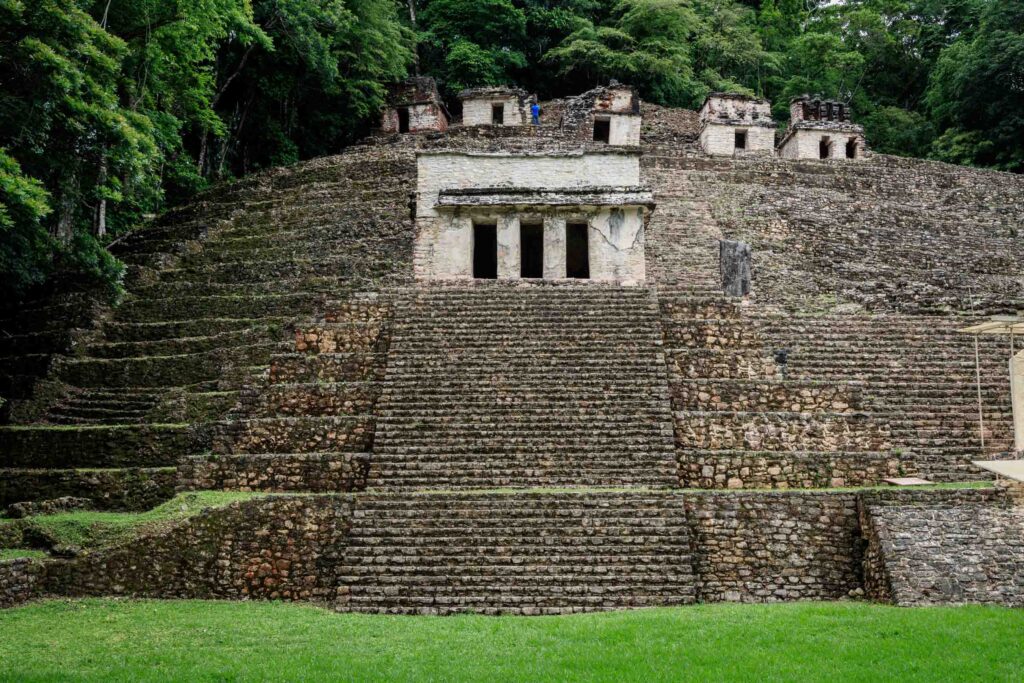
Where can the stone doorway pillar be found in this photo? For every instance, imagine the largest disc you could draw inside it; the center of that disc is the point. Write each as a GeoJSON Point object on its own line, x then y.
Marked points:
{"type": "Point", "coordinates": [1017, 399]}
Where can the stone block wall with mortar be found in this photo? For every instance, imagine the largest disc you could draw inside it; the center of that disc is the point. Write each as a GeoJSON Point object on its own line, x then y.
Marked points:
{"type": "Point", "coordinates": [214, 288]}
{"type": "Point", "coordinates": [278, 548]}
{"type": "Point", "coordinates": [854, 291]}
{"type": "Point", "coordinates": [21, 580]}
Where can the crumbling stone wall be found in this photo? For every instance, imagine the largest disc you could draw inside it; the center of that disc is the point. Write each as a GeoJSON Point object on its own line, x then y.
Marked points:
{"type": "Point", "coordinates": [748, 546]}
{"type": "Point", "coordinates": [762, 547]}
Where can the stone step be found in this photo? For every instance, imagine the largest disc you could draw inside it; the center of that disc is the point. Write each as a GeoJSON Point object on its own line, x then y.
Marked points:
{"type": "Point", "coordinates": [213, 306]}
{"type": "Point", "coordinates": [163, 371]}
{"type": "Point", "coordinates": [116, 489]}
{"type": "Point", "coordinates": [185, 345]}
{"type": "Point", "coordinates": [614, 551]}
{"type": "Point", "coordinates": [323, 472]}
{"type": "Point", "coordinates": [50, 446]}
{"type": "Point", "coordinates": [121, 332]}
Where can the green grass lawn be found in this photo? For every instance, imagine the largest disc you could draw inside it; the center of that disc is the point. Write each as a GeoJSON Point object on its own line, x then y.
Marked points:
{"type": "Point", "coordinates": [18, 553]}
{"type": "Point", "coordinates": [90, 529]}
{"type": "Point", "coordinates": [195, 641]}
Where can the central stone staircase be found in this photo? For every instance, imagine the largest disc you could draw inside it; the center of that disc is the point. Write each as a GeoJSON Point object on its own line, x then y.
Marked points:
{"type": "Point", "coordinates": [526, 553]}
{"type": "Point", "coordinates": [497, 385]}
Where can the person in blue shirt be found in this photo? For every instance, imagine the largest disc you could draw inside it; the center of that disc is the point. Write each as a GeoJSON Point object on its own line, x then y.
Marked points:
{"type": "Point", "coordinates": [535, 113]}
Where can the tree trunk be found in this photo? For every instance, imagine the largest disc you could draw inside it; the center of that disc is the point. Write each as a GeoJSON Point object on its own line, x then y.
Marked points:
{"type": "Point", "coordinates": [202, 152]}
{"type": "Point", "coordinates": [66, 209]}
{"type": "Point", "coordinates": [101, 210]}
{"type": "Point", "coordinates": [416, 42]}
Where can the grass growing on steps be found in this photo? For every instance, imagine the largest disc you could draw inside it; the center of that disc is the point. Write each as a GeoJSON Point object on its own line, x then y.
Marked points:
{"type": "Point", "coordinates": [198, 641]}
{"type": "Point", "coordinates": [90, 529]}
{"type": "Point", "coordinates": [19, 553]}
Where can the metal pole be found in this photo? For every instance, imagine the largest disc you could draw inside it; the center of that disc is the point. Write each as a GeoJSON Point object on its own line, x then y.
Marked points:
{"type": "Point", "coordinates": [981, 413]}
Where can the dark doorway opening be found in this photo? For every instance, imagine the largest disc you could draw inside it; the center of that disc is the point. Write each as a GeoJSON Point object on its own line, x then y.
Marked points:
{"type": "Point", "coordinates": [602, 130]}
{"type": "Point", "coordinates": [851, 149]}
{"type": "Point", "coordinates": [485, 251]}
{"type": "Point", "coordinates": [741, 139]}
{"type": "Point", "coordinates": [824, 148]}
{"type": "Point", "coordinates": [403, 120]}
{"type": "Point", "coordinates": [577, 251]}
{"type": "Point", "coordinates": [498, 114]}
{"type": "Point", "coordinates": [531, 250]}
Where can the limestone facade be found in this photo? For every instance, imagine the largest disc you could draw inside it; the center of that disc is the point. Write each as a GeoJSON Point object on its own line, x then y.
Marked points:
{"type": "Point", "coordinates": [822, 130]}
{"type": "Point", "coordinates": [458, 190]}
{"type": "Point", "coordinates": [498, 106]}
{"type": "Point", "coordinates": [733, 124]}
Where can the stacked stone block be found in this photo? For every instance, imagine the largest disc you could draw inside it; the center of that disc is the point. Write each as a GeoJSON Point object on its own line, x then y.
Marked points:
{"type": "Point", "coordinates": [528, 385]}
{"type": "Point", "coordinates": [934, 553]}
{"type": "Point", "coordinates": [212, 288]}
{"type": "Point", "coordinates": [309, 425]}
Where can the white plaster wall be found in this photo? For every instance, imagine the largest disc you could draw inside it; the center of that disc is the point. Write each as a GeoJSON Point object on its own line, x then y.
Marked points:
{"type": "Point", "coordinates": [720, 140]}
{"type": "Point", "coordinates": [477, 111]}
{"type": "Point", "coordinates": [457, 170]}
{"type": "Point", "coordinates": [618, 100]}
{"type": "Point", "coordinates": [624, 129]}
{"type": "Point", "coordinates": [615, 241]}
{"type": "Point", "coordinates": [804, 144]}
{"type": "Point", "coordinates": [554, 247]}
{"type": "Point", "coordinates": [444, 242]}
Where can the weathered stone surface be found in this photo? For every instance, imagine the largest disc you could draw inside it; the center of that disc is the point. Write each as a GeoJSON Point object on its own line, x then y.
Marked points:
{"type": "Point", "coordinates": [21, 580]}
{"type": "Point", "coordinates": [268, 308]}
{"type": "Point", "coordinates": [935, 554]}
{"type": "Point", "coordinates": [49, 507]}
{"type": "Point", "coordinates": [735, 258]}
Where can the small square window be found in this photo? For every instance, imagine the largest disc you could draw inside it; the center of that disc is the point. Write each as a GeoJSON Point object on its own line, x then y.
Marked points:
{"type": "Point", "coordinates": [602, 130]}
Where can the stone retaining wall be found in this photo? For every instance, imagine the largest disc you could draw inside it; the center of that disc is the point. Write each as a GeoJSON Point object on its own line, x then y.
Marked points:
{"type": "Point", "coordinates": [937, 553]}
{"type": "Point", "coordinates": [285, 548]}
{"type": "Point", "coordinates": [785, 470]}
{"type": "Point", "coordinates": [746, 546]}
{"type": "Point", "coordinates": [309, 472]}
{"type": "Point", "coordinates": [125, 489]}
{"type": "Point", "coordinates": [20, 580]}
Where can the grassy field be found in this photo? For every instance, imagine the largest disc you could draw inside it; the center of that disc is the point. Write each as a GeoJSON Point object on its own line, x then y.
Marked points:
{"type": "Point", "coordinates": [199, 641]}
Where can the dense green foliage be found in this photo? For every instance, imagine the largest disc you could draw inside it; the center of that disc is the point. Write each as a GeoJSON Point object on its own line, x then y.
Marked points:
{"type": "Point", "coordinates": [110, 110]}
{"type": "Point", "coordinates": [217, 641]}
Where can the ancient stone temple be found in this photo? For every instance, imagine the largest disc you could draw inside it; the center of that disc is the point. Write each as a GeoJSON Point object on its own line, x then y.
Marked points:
{"type": "Point", "coordinates": [821, 129]}
{"type": "Point", "coordinates": [414, 106]}
{"type": "Point", "coordinates": [498, 106]}
{"type": "Point", "coordinates": [736, 124]}
{"type": "Point", "coordinates": [623, 358]}
{"type": "Point", "coordinates": [542, 215]}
